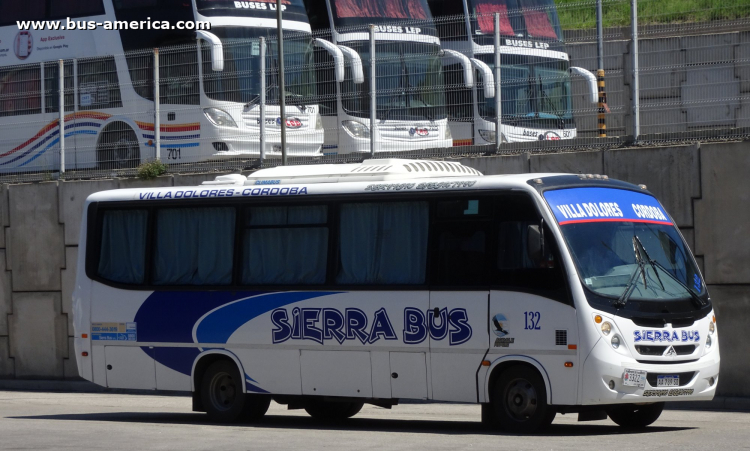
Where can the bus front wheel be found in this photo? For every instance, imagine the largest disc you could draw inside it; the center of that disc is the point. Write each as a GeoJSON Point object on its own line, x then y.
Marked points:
{"type": "Point", "coordinates": [635, 416]}
{"type": "Point", "coordinates": [327, 410]}
{"type": "Point", "coordinates": [519, 401]}
{"type": "Point", "coordinates": [222, 396]}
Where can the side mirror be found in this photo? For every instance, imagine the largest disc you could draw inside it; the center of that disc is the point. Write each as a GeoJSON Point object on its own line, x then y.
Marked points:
{"type": "Point", "coordinates": [358, 74]}
{"type": "Point", "coordinates": [487, 75]}
{"type": "Point", "coordinates": [535, 244]}
{"type": "Point", "coordinates": [590, 79]}
{"type": "Point", "coordinates": [338, 57]}
{"type": "Point", "coordinates": [465, 63]}
{"type": "Point", "coordinates": [217, 50]}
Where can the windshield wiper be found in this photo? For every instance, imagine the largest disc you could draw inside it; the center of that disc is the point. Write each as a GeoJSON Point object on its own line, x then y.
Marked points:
{"type": "Point", "coordinates": [698, 301]}
{"type": "Point", "coordinates": [641, 269]}
{"type": "Point", "coordinates": [653, 263]}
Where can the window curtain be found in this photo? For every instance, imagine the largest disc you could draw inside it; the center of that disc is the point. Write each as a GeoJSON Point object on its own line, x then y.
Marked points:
{"type": "Point", "coordinates": [123, 250]}
{"type": "Point", "coordinates": [281, 255]}
{"type": "Point", "coordinates": [383, 243]}
{"type": "Point", "coordinates": [194, 246]}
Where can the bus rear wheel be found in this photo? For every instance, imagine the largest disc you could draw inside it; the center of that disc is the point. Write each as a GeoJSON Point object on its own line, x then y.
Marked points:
{"type": "Point", "coordinates": [519, 401]}
{"type": "Point", "coordinates": [118, 148]}
{"type": "Point", "coordinates": [635, 416]}
{"type": "Point", "coordinates": [222, 396]}
{"type": "Point", "coordinates": [331, 411]}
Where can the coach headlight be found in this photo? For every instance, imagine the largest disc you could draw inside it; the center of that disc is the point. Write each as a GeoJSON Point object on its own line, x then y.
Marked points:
{"type": "Point", "coordinates": [606, 327]}
{"type": "Point", "coordinates": [615, 341]}
{"type": "Point", "coordinates": [219, 117]}
{"type": "Point", "coordinates": [711, 328]}
{"type": "Point", "coordinates": [708, 343]}
{"type": "Point", "coordinates": [356, 129]}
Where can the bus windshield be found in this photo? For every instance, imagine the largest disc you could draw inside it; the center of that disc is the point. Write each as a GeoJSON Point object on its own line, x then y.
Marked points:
{"type": "Point", "coordinates": [625, 246]}
{"type": "Point", "coordinates": [535, 92]}
{"type": "Point", "coordinates": [240, 79]}
{"type": "Point", "coordinates": [533, 19]}
{"type": "Point", "coordinates": [409, 82]}
{"type": "Point", "coordinates": [364, 12]}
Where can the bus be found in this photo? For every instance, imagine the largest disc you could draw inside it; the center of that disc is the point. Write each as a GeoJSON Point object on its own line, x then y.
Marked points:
{"type": "Point", "coordinates": [208, 98]}
{"type": "Point", "coordinates": [410, 102]}
{"type": "Point", "coordinates": [329, 286]}
{"type": "Point", "coordinates": [536, 91]}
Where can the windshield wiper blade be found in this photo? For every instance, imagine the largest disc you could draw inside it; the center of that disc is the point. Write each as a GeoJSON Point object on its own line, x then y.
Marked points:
{"type": "Point", "coordinates": [653, 263]}
{"type": "Point", "coordinates": [698, 301]}
{"type": "Point", "coordinates": [623, 299]}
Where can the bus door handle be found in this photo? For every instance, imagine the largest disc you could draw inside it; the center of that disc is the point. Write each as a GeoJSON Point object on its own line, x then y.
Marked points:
{"type": "Point", "coordinates": [436, 312]}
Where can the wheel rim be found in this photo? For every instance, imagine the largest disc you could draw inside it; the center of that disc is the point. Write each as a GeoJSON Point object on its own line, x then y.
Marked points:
{"type": "Point", "coordinates": [521, 399]}
{"type": "Point", "coordinates": [223, 391]}
{"type": "Point", "coordinates": [125, 151]}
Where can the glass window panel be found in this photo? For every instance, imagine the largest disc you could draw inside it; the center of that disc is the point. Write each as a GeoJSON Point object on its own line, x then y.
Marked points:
{"type": "Point", "coordinates": [194, 246]}
{"type": "Point", "coordinates": [279, 256]}
{"type": "Point", "coordinates": [313, 214]}
{"type": "Point", "coordinates": [123, 248]}
{"type": "Point", "coordinates": [383, 243]}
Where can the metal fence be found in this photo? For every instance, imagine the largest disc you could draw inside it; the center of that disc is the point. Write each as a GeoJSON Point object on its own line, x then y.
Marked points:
{"type": "Point", "coordinates": [436, 91]}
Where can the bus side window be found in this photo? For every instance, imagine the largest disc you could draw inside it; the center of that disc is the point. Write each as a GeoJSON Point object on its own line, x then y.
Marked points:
{"type": "Point", "coordinates": [178, 74]}
{"type": "Point", "coordinates": [20, 91]}
{"type": "Point", "coordinates": [98, 86]}
{"type": "Point", "coordinates": [122, 250]}
{"type": "Point", "coordinates": [514, 267]}
{"type": "Point", "coordinates": [194, 246]}
{"type": "Point", "coordinates": [285, 245]}
{"type": "Point", "coordinates": [383, 243]}
{"type": "Point", "coordinates": [461, 237]}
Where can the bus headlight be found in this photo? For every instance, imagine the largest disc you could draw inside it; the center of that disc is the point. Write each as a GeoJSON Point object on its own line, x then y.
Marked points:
{"type": "Point", "coordinates": [487, 135]}
{"type": "Point", "coordinates": [318, 122]}
{"type": "Point", "coordinates": [606, 328]}
{"type": "Point", "coordinates": [448, 134]}
{"type": "Point", "coordinates": [356, 129]}
{"type": "Point", "coordinates": [711, 328]}
{"type": "Point", "coordinates": [219, 117]}
{"type": "Point", "coordinates": [708, 343]}
{"type": "Point", "coordinates": [616, 341]}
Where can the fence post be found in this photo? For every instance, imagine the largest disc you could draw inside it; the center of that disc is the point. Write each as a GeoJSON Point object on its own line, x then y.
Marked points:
{"type": "Point", "coordinates": [498, 92]}
{"type": "Point", "coordinates": [602, 118]}
{"type": "Point", "coordinates": [157, 109]}
{"type": "Point", "coordinates": [282, 93]}
{"type": "Point", "coordinates": [373, 93]}
{"type": "Point", "coordinates": [61, 119]}
{"type": "Point", "coordinates": [636, 93]}
{"type": "Point", "coordinates": [262, 99]}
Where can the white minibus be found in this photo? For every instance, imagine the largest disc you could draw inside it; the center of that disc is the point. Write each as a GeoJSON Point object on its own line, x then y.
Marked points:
{"type": "Point", "coordinates": [325, 287]}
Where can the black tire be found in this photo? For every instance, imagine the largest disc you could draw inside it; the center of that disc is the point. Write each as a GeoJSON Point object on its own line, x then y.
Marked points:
{"type": "Point", "coordinates": [118, 148]}
{"type": "Point", "coordinates": [332, 411]}
{"type": "Point", "coordinates": [635, 417]}
{"type": "Point", "coordinates": [221, 393]}
{"type": "Point", "coordinates": [519, 401]}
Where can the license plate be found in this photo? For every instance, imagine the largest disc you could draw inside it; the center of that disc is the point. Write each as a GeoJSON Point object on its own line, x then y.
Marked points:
{"type": "Point", "coordinates": [668, 381]}
{"type": "Point", "coordinates": [634, 378]}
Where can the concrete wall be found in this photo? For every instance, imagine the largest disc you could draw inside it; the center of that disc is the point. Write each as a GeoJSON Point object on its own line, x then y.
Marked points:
{"type": "Point", "coordinates": [706, 189]}
{"type": "Point", "coordinates": [687, 83]}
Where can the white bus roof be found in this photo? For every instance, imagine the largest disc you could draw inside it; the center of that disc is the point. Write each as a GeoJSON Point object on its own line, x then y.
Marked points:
{"type": "Point", "coordinates": [368, 170]}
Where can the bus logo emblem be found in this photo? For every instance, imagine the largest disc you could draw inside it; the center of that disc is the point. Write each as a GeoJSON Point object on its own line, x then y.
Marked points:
{"type": "Point", "coordinates": [415, 131]}
{"type": "Point", "coordinates": [670, 352]}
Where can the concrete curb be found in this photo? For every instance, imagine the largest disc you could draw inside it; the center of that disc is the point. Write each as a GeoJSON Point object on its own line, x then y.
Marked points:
{"type": "Point", "coordinates": [734, 404]}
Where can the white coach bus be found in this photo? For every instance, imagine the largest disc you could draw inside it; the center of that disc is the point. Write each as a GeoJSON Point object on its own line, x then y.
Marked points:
{"type": "Point", "coordinates": [535, 72]}
{"type": "Point", "coordinates": [326, 287]}
{"type": "Point", "coordinates": [208, 99]}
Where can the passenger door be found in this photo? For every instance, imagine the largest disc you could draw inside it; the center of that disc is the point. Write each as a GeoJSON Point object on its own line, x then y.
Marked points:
{"type": "Point", "coordinates": [457, 319]}
{"type": "Point", "coordinates": [530, 313]}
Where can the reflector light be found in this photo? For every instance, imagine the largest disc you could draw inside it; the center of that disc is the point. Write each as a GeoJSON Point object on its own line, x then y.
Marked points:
{"type": "Point", "coordinates": [568, 364]}
{"type": "Point", "coordinates": [85, 354]}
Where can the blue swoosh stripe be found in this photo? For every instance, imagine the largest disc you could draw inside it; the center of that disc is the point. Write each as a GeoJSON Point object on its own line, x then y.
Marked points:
{"type": "Point", "coordinates": [220, 324]}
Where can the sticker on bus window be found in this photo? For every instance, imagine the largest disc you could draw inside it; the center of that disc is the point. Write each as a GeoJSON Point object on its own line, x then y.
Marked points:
{"type": "Point", "coordinates": [580, 205]}
{"type": "Point", "coordinates": [114, 332]}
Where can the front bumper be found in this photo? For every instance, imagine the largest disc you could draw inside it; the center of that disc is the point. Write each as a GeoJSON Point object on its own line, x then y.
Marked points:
{"type": "Point", "coordinates": [603, 365]}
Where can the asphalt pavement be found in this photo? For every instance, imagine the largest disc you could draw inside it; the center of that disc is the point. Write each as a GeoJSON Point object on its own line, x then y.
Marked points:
{"type": "Point", "coordinates": [82, 421]}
